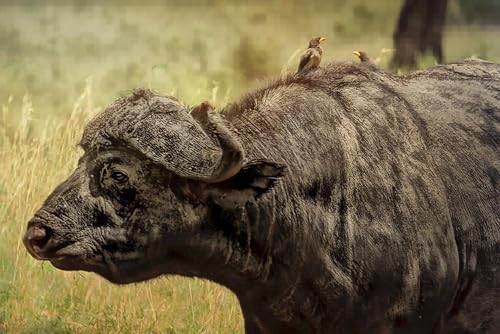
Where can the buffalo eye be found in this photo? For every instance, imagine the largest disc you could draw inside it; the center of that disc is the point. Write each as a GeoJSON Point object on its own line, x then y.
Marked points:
{"type": "Point", "coordinates": [116, 184]}
{"type": "Point", "coordinates": [119, 177]}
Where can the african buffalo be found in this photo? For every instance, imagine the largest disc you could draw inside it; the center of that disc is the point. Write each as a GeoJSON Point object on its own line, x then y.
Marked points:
{"type": "Point", "coordinates": [342, 200]}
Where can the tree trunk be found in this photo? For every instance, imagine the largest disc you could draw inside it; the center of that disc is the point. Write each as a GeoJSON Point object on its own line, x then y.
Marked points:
{"type": "Point", "coordinates": [419, 30]}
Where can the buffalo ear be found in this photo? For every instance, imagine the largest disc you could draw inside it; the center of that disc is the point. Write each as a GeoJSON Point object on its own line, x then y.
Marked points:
{"type": "Point", "coordinates": [253, 180]}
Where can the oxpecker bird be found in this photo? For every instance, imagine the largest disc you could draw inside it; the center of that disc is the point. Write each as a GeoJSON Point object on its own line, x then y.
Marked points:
{"type": "Point", "coordinates": [312, 56]}
{"type": "Point", "coordinates": [365, 60]}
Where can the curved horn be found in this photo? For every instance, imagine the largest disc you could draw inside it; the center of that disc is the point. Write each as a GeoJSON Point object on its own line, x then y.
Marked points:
{"type": "Point", "coordinates": [199, 146]}
{"type": "Point", "coordinates": [232, 151]}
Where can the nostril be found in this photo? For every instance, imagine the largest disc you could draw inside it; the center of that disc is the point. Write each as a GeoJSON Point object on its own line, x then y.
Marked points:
{"type": "Point", "coordinates": [38, 236]}
{"type": "Point", "coordinates": [37, 233]}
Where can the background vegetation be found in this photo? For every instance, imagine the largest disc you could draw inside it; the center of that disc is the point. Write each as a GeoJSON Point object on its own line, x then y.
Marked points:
{"type": "Point", "coordinates": [62, 62]}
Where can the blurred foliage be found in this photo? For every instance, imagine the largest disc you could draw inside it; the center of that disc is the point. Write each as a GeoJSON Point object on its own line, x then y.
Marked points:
{"type": "Point", "coordinates": [182, 48]}
{"type": "Point", "coordinates": [251, 60]}
{"type": "Point", "coordinates": [191, 49]}
{"type": "Point", "coordinates": [481, 11]}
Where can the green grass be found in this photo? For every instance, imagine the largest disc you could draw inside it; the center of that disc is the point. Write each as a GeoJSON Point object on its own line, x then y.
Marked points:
{"type": "Point", "coordinates": [60, 65]}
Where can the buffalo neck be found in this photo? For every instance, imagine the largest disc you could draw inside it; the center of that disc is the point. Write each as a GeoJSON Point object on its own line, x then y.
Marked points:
{"type": "Point", "coordinates": [270, 264]}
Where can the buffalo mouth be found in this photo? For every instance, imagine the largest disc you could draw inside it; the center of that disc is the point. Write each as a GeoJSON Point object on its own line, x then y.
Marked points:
{"type": "Point", "coordinates": [40, 243]}
{"type": "Point", "coordinates": [67, 259]}
{"type": "Point", "coordinates": [103, 265]}
{"type": "Point", "coordinates": [69, 263]}
{"type": "Point", "coordinates": [45, 243]}
{"type": "Point", "coordinates": [96, 264]}
{"type": "Point", "coordinates": [117, 265]}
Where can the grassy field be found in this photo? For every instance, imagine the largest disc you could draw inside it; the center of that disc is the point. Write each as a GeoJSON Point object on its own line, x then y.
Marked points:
{"type": "Point", "coordinates": [60, 65]}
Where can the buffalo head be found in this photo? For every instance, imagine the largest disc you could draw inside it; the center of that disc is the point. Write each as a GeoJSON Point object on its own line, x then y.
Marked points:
{"type": "Point", "coordinates": [141, 201]}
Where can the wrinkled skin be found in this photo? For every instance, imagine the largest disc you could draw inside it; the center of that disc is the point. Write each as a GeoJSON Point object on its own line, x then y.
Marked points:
{"type": "Point", "coordinates": [339, 201]}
